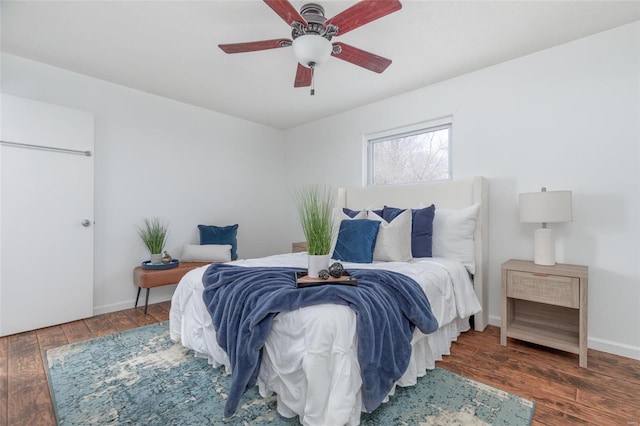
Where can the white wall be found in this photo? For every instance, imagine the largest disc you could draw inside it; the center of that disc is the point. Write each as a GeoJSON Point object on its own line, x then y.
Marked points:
{"type": "Point", "coordinates": [565, 118]}
{"type": "Point", "coordinates": [155, 157]}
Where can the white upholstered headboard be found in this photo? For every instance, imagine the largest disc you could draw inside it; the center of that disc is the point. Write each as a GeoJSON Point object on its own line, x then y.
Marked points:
{"type": "Point", "coordinates": [447, 195]}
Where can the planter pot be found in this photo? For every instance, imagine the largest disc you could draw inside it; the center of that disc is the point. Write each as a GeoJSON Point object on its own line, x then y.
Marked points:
{"type": "Point", "coordinates": [316, 264]}
{"type": "Point", "coordinates": [156, 259]}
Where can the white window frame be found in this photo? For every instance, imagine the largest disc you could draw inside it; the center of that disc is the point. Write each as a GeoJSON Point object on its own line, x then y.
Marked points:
{"type": "Point", "coordinates": [423, 127]}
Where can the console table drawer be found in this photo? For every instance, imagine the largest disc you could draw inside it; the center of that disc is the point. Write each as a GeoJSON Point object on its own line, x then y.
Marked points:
{"type": "Point", "coordinates": [551, 289]}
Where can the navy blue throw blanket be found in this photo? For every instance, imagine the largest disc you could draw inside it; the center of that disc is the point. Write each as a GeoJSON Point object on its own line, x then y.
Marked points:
{"type": "Point", "coordinates": [243, 301]}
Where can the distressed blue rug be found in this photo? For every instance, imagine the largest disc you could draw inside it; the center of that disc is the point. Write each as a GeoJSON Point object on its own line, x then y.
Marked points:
{"type": "Point", "coordinates": [141, 377]}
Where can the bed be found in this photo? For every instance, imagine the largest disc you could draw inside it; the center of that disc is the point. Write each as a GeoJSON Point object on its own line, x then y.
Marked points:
{"type": "Point", "coordinates": [310, 355]}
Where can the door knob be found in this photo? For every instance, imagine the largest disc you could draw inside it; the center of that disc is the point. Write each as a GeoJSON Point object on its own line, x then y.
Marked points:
{"type": "Point", "coordinates": [86, 223]}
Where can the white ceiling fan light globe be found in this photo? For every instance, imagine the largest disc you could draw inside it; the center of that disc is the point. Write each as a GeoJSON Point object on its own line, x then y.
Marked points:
{"type": "Point", "coordinates": [311, 50]}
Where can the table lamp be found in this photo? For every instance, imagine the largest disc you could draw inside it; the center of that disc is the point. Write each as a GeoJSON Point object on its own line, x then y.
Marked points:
{"type": "Point", "coordinates": [545, 207]}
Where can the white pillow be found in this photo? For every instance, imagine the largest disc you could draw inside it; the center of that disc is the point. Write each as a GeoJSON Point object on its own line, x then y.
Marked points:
{"type": "Point", "coordinates": [338, 217]}
{"type": "Point", "coordinates": [453, 235]}
{"type": "Point", "coordinates": [206, 253]}
{"type": "Point", "coordinates": [393, 243]}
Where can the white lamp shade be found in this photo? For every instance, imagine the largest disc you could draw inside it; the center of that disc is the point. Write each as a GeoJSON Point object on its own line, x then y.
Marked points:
{"type": "Point", "coordinates": [312, 50]}
{"type": "Point", "coordinates": [546, 206]}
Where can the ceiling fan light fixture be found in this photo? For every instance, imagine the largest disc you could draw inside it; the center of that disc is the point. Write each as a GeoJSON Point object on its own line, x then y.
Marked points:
{"type": "Point", "coordinates": [312, 50]}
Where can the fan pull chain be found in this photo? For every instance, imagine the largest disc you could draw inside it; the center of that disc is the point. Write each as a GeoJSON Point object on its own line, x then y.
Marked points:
{"type": "Point", "coordinates": [313, 90]}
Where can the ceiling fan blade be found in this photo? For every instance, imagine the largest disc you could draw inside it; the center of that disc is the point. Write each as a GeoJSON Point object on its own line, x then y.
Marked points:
{"type": "Point", "coordinates": [304, 76]}
{"type": "Point", "coordinates": [362, 13]}
{"type": "Point", "coordinates": [253, 46]}
{"type": "Point", "coordinates": [361, 58]}
{"type": "Point", "coordinates": [286, 11]}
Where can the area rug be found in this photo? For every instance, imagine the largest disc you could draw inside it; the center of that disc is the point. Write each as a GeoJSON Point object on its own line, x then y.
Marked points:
{"type": "Point", "coordinates": [141, 377]}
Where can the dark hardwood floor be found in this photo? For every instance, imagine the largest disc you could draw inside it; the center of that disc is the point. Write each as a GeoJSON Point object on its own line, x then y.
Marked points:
{"type": "Point", "coordinates": [606, 393]}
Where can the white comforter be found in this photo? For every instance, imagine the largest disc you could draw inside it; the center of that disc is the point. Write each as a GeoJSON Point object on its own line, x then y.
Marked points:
{"type": "Point", "coordinates": [310, 357]}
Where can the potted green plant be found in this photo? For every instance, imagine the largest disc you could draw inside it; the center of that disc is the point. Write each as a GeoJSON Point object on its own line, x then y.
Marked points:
{"type": "Point", "coordinates": [154, 236]}
{"type": "Point", "coordinates": [315, 208]}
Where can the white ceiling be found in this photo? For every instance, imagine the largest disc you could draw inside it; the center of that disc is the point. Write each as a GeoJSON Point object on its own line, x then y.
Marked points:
{"type": "Point", "coordinates": [169, 48]}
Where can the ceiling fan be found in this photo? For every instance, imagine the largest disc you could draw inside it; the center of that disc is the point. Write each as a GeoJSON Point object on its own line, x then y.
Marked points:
{"type": "Point", "coordinates": [312, 34]}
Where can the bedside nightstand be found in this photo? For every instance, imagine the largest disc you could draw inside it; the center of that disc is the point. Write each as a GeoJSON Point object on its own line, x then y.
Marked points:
{"type": "Point", "coordinates": [546, 305]}
{"type": "Point", "coordinates": [299, 247]}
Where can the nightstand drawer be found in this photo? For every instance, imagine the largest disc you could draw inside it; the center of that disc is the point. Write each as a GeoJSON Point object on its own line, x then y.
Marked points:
{"type": "Point", "coordinates": [551, 289]}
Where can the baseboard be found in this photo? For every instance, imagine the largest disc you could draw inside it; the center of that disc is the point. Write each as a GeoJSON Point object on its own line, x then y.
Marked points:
{"type": "Point", "coordinates": [105, 309]}
{"type": "Point", "coordinates": [128, 304]}
{"type": "Point", "coordinates": [493, 320]}
{"type": "Point", "coordinates": [615, 348]}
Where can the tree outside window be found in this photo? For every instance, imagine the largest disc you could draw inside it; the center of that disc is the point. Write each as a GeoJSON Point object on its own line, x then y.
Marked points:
{"type": "Point", "coordinates": [418, 156]}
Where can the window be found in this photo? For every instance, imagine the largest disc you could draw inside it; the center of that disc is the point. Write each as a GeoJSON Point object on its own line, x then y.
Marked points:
{"type": "Point", "coordinates": [419, 153]}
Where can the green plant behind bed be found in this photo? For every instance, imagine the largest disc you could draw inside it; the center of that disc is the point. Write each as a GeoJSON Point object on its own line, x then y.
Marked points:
{"type": "Point", "coordinates": [154, 234]}
{"type": "Point", "coordinates": [315, 208]}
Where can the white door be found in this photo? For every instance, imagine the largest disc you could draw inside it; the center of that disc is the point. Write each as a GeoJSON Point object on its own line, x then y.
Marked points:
{"type": "Point", "coordinates": [46, 215]}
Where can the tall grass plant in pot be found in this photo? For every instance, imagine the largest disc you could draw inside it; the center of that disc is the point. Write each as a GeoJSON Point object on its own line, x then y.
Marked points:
{"type": "Point", "coordinates": [154, 236]}
{"type": "Point", "coordinates": [315, 209]}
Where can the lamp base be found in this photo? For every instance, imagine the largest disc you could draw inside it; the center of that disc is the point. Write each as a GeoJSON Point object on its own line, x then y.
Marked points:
{"type": "Point", "coordinates": [544, 247]}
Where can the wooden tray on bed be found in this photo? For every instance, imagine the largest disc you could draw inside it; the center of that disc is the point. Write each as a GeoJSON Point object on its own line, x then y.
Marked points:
{"type": "Point", "coordinates": [303, 280]}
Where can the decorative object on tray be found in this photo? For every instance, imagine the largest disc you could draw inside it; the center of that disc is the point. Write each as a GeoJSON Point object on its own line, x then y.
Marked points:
{"type": "Point", "coordinates": [315, 208]}
{"type": "Point", "coordinates": [304, 280]}
{"type": "Point", "coordinates": [166, 258]}
{"type": "Point", "coordinates": [154, 236]}
{"type": "Point", "coordinates": [336, 270]}
{"type": "Point", "coordinates": [317, 263]}
{"type": "Point", "coordinates": [147, 264]}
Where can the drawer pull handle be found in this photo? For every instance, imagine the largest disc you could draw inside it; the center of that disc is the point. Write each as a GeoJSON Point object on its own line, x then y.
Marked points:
{"type": "Point", "coordinates": [540, 274]}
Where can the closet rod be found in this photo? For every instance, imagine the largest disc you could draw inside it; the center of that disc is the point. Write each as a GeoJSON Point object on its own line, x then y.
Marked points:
{"type": "Point", "coordinates": [46, 148]}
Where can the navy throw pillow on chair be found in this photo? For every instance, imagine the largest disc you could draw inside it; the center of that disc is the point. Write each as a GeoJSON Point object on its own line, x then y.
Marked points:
{"type": "Point", "coordinates": [210, 234]}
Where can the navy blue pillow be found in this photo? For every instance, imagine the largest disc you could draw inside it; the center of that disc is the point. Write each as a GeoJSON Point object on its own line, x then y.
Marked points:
{"type": "Point", "coordinates": [350, 213]}
{"type": "Point", "coordinates": [356, 240]}
{"type": "Point", "coordinates": [354, 213]}
{"type": "Point", "coordinates": [210, 234]}
{"type": "Point", "coordinates": [421, 228]}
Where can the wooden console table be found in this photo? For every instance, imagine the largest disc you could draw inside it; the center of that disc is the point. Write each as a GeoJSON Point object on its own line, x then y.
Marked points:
{"type": "Point", "coordinates": [148, 278]}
